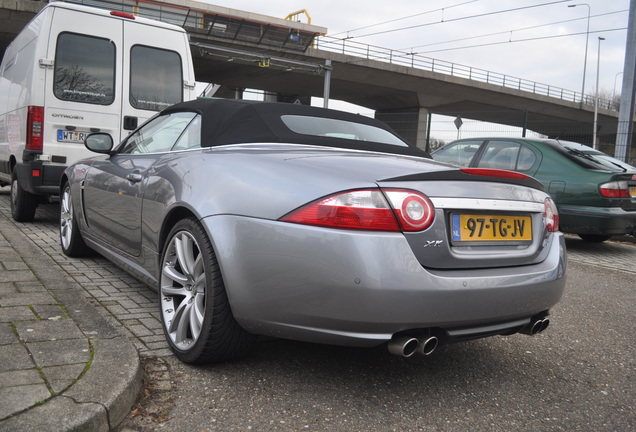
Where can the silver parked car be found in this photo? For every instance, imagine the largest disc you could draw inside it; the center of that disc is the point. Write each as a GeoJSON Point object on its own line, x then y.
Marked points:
{"type": "Point", "coordinates": [254, 218]}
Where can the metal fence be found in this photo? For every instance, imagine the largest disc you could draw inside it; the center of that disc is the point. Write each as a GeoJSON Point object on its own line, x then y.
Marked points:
{"type": "Point", "coordinates": [418, 61]}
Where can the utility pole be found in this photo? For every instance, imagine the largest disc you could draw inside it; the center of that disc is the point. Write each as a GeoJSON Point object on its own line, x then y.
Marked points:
{"type": "Point", "coordinates": [625, 130]}
{"type": "Point", "coordinates": [598, 72]}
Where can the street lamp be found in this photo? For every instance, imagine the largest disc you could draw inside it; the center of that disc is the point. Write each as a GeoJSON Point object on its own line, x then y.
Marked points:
{"type": "Point", "coordinates": [587, 37]}
{"type": "Point", "coordinates": [598, 69]}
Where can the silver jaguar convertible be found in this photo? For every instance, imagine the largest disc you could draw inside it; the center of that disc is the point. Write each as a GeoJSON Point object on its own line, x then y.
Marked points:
{"type": "Point", "coordinates": [255, 218]}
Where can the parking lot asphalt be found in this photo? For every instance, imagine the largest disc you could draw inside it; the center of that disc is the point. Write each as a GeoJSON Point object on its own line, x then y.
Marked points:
{"type": "Point", "coordinates": [72, 332]}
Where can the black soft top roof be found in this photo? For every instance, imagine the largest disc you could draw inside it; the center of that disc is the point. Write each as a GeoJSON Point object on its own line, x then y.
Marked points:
{"type": "Point", "coordinates": [234, 121]}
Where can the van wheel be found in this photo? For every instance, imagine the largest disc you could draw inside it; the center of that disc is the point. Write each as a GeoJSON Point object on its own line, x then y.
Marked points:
{"type": "Point", "coordinates": [70, 237]}
{"type": "Point", "coordinates": [195, 312]}
{"type": "Point", "coordinates": [23, 203]}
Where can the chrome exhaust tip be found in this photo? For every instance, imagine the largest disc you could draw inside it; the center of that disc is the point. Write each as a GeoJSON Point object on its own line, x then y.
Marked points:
{"type": "Point", "coordinates": [427, 345]}
{"type": "Point", "coordinates": [536, 326]}
{"type": "Point", "coordinates": [404, 346]}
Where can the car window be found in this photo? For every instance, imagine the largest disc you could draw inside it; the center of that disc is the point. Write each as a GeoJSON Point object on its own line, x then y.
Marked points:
{"type": "Point", "coordinates": [526, 160]}
{"type": "Point", "coordinates": [334, 128]}
{"type": "Point", "coordinates": [460, 153]}
{"type": "Point", "coordinates": [508, 155]}
{"type": "Point", "coordinates": [158, 135]}
{"type": "Point", "coordinates": [191, 137]}
{"type": "Point", "coordinates": [500, 155]}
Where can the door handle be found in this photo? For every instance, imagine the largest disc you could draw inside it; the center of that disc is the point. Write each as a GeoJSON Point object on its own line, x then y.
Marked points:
{"type": "Point", "coordinates": [134, 177]}
{"type": "Point", "coordinates": [130, 122]}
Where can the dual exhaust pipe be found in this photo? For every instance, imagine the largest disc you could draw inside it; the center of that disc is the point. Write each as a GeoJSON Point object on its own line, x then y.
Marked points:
{"type": "Point", "coordinates": [406, 346]}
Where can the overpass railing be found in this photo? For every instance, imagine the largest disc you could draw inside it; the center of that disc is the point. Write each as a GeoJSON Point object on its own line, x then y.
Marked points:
{"type": "Point", "coordinates": [414, 60]}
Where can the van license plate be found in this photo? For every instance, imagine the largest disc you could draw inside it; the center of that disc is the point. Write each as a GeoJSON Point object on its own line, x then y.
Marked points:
{"type": "Point", "coordinates": [71, 136]}
{"type": "Point", "coordinates": [476, 227]}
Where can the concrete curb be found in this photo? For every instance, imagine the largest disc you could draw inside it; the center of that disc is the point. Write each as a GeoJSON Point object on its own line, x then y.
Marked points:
{"type": "Point", "coordinates": [101, 395]}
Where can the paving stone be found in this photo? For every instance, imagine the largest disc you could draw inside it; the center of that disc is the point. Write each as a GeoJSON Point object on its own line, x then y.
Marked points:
{"type": "Point", "coordinates": [29, 396]}
{"type": "Point", "coordinates": [21, 377]}
{"type": "Point", "coordinates": [16, 313]}
{"type": "Point", "coordinates": [60, 352]}
{"type": "Point", "coordinates": [26, 299]}
{"type": "Point", "coordinates": [27, 287]}
{"type": "Point", "coordinates": [50, 312]}
{"type": "Point", "coordinates": [13, 357]}
{"type": "Point", "coordinates": [48, 330]}
{"type": "Point", "coordinates": [60, 377]}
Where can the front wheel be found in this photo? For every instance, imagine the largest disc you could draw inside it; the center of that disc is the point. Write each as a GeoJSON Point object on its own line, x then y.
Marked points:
{"type": "Point", "coordinates": [195, 312]}
{"type": "Point", "coordinates": [595, 238]}
{"type": "Point", "coordinates": [70, 237]}
{"type": "Point", "coordinates": [23, 203]}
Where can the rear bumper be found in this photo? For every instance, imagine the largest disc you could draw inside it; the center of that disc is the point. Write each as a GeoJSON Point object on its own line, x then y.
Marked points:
{"type": "Point", "coordinates": [595, 220]}
{"type": "Point", "coordinates": [353, 288]}
{"type": "Point", "coordinates": [40, 178]}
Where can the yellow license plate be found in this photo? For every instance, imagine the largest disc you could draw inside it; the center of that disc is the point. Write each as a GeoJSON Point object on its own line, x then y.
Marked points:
{"type": "Point", "coordinates": [632, 191]}
{"type": "Point", "coordinates": [476, 227]}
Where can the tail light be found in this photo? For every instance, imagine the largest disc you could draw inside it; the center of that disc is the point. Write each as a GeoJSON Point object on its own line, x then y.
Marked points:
{"type": "Point", "coordinates": [615, 189]}
{"type": "Point", "coordinates": [368, 210]}
{"type": "Point", "coordinates": [550, 215]}
{"type": "Point", "coordinates": [35, 123]}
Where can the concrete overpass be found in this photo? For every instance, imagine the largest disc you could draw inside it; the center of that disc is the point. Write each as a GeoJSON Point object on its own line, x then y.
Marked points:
{"type": "Point", "coordinates": [237, 50]}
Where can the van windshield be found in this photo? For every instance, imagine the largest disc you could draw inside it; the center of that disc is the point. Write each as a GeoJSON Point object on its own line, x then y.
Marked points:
{"type": "Point", "coordinates": [84, 69]}
{"type": "Point", "coordinates": [156, 79]}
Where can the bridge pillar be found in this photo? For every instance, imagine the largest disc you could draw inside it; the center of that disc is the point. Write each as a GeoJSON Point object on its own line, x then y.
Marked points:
{"type": "Point", "coordinates": [410, 123]}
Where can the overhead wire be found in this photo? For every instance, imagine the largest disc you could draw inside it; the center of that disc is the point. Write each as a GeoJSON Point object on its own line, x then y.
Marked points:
{"type": "Point", "coordinates": [459, 19]}
{"type": "Point", "coordinates": [403, 18]}
{"type": "Point", "coordinates": [520, 40]}
{"type": "Point", "coordinates": [509, 31]}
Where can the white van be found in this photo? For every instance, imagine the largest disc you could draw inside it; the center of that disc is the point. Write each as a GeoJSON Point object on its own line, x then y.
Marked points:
{"type": "Point", "coordinates": [74, 70]}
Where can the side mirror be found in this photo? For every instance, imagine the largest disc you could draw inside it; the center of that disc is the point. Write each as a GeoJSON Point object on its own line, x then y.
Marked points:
{"type": "Point", "coordinates": [99, 143]}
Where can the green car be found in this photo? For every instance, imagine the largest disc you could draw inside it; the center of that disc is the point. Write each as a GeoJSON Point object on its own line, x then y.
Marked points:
{"type": "Point", "coordinates": [594, 193]}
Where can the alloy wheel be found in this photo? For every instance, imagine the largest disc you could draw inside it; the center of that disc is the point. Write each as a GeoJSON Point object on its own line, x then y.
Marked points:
{"type": "Point", "coordinates": [183, 282]}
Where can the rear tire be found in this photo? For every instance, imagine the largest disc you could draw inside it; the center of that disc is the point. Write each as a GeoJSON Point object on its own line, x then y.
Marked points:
{"type": "Point", "coordinates": [70, 236]}
{"type": "Point", "coordinates": [195, 312]}
{"type": "Point", "coordinates": [23, 203]}
{"type": "Point", "coordinates": [594, 238]}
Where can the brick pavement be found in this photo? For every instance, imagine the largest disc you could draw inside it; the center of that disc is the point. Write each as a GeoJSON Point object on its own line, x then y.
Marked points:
{"type": "Point", "coordinates": [62, 365]}
{"type": "Point", "coordinates": [126, 303]}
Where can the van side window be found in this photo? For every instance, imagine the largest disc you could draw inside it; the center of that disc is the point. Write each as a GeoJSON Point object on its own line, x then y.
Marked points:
{"type": "Point", "coordinates": [84, 69]}
{"type": "Point", "coordinates": [156, 78]}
